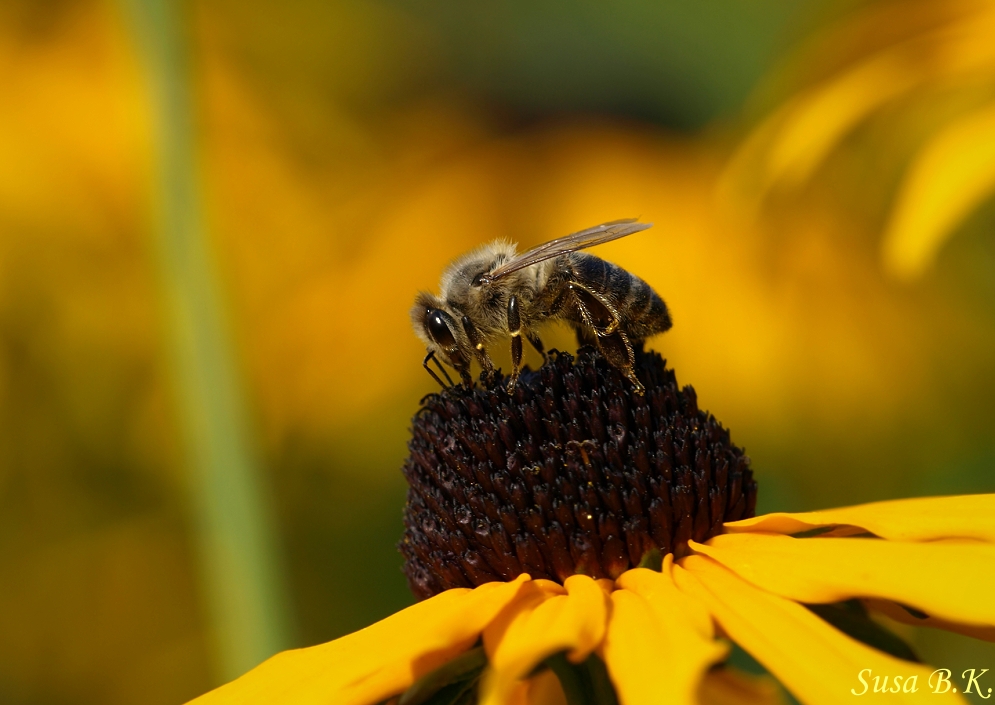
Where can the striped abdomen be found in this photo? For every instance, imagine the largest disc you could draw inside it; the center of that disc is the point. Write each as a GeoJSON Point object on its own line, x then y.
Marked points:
{"type": "Point", "coordinates": [639, 310]}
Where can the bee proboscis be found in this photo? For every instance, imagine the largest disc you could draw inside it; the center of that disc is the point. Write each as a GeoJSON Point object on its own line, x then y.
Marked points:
{"type": "Point", "coordinates": [493, 293]}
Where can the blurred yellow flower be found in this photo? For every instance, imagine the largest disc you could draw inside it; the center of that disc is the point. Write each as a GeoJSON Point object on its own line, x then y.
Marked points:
{"type": "Point", "coordinates": [929, 65]}
{"type": "Point", "coordinates": [661, 634]}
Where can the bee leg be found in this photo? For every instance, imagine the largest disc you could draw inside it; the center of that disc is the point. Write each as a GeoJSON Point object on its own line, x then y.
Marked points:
{"type": "Point", "coordinates": [585, 336]}
{"type": "Point", "coordinates": [478, 348]}
{"type": "Point", "coordinates": [431, 356]}
{"type": "Point", "coordinates": [462, 366]}
{"type": "Point", "coordinates": [487, 367]}
{"type": "Point", "coordinates": [515, 329]}
{"type": "Point", "coordinates": [618, 351]}
{"type": "Point", "coordinates": [537, 344]}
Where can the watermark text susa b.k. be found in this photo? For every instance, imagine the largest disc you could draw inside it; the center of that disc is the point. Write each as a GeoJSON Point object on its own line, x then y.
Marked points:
{"type": "Point", "coordinates": [940, 681]}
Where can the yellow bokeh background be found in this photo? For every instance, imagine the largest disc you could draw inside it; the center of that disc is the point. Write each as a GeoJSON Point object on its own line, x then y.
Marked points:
{"type": "Point", "coordinates": [822, 234]}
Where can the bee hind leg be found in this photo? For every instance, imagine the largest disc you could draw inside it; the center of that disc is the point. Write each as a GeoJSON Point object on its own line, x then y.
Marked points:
{"type": "Point", "coordinates": [585, 336]}
{"type": "Point", "coordinates": [619, 352]}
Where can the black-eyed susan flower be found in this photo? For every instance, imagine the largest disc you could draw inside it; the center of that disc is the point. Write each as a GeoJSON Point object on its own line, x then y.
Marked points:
{"type": "Point", "coordinates": [578, 543]}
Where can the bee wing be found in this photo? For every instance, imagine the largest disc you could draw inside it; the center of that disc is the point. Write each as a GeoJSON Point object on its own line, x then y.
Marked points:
{"type": "Point", "coordinates": [606, 232]}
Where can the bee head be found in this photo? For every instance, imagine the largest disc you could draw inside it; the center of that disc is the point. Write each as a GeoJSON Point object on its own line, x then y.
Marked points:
{"type": "Point", "coordinates": [437, 328]}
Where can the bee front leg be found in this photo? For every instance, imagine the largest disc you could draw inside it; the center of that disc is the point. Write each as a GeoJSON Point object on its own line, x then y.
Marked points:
{"type": "Point", "coordinates": [463, 367]}
{"type": "Point", "coordinates": [515, 330]}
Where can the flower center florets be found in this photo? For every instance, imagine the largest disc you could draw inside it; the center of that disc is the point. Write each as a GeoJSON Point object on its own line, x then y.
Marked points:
{"type": "Point", "coordinates": [572, 474]}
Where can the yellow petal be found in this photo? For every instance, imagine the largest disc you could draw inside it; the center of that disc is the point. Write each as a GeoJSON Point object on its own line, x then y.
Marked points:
{"type": "Point", "coordinates": [814, 122]}
{"type": "Point", "coordinates": [658, 634]}
{"type": "Point", "coordinates": [795, 140]}
{"type": "Point", "coordinates": [669, 602]}
{"type": "Point", "coordinates": [951, 580]}
{"type": "Point", "coordinates": [655, 637]}
{"type": "Point", "coordinates": [920, 519]}
{"type": "Point", "coordinates": [819, 118]}
{"type": "Point", "coordinates": [949, 177]}
{"type": "Point", "coordinates": [373, 663]}
{"type": "Point", "coordinates": [791, 143]}
{"type": "Point", "coordinates": [532, 594]}
{"type": "Point", "coordinates": [900, 614]}
{"type": "Point", "coordinates": [636, 651]}
{"type": "Point", "coordinates": [727, 686]}
{"type": "Point", "coordinates": [814, 661]}
{"type": "Point", "coordinates": [541, 625]}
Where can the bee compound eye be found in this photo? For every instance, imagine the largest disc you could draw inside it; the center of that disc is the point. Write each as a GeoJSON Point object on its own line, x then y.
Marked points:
{"type": "Point", "coordinates": [439, 328]}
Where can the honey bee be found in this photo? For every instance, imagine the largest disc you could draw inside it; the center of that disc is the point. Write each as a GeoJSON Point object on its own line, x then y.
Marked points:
{"type": "Point", "coordinates": [494, 293]}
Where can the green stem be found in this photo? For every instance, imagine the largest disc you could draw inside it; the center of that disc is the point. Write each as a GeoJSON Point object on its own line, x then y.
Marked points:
{"type": "Point", "coordinates": [464, 668]}
{"type": "Point", "coordinates": [585, 683]}
{"type": "Point", "coordinates": [570, 680]}
{"type": "Point", "coordinates": [602, 690]}
{"type": "Point", "coordinates": [245, 597]}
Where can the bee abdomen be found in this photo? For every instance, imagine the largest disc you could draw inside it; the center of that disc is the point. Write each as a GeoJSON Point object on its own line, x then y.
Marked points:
{"type": "Point", "coordinates": [642, 312]}
{"type": "Point", "coordinates": [602, 276]}
{"type": "Point", "coordinates": [646, 312]}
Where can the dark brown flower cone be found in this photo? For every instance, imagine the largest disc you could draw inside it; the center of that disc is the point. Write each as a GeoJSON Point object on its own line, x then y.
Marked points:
{"type": "Point", "coordinates": [574, 473]}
